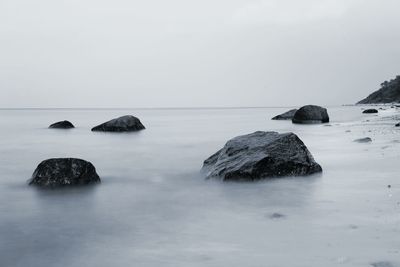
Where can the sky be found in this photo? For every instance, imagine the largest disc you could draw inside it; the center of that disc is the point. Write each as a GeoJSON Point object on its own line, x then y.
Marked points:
{"type": "Point", "coordinates": [184, 53]}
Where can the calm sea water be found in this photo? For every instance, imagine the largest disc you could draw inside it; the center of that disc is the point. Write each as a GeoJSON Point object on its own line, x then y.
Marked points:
{"type": "Point", "coordinates": [153, 208]}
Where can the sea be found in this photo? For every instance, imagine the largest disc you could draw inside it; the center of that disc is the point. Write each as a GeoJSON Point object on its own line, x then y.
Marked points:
{"type": "Point", "coordinates": [155, 208]}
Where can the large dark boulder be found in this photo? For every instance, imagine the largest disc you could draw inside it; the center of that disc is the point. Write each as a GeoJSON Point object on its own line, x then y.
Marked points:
{"type": "Point", "coordinates": [59, 172]}
{"type": "Point", "coordinates": [261, 155]}
{"type": "Point", "coordinates": [311, 114]}
{"type": "Point", "coordinates": [288, 115]}
{"type": "Point", "coordinates": [370, 111]}
{"type": "Point", "coordinates": [62, 125]}
{"type": "Point", "coordinates": [122, 124]}
{"type": "Point", "coordinates": [388, 93]}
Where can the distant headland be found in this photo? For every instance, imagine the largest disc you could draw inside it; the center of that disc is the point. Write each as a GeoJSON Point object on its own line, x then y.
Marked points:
{"type": "Point", "coordinates": [388, 93]}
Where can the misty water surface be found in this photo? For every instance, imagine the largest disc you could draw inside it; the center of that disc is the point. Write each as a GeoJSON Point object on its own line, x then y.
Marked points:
{"type": "Point", "coordinates": [153, 208]}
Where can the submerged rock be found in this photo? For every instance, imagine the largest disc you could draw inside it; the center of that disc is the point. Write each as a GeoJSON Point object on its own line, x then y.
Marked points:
{"type": "Point", "coordinates": [276, 216]}
{"type": "Point", "coordinates": [397, 124]}
{"type": "Point", "coordinates": [311, 114]}
{"type": "Point", "coordinates": [122, 124]}
{"type": "Point", "coordinates": [382, 264]}
{"type": "Point", "coordinates": [363, 140]}
{"type": "Point", "coordinates": [60, 172]}
{"type": "Point", "coordinates": [370, 111]}
{"type": "Point", "coordinates": [288, 115]}
{"type": "Point", "coordinates": [62, 125]}
{"type": "Point", "coordinates": [261, 155]}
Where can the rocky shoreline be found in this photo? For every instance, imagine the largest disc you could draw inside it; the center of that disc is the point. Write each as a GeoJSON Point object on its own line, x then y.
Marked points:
{"type": "Point", "coordinates": [251, 157]}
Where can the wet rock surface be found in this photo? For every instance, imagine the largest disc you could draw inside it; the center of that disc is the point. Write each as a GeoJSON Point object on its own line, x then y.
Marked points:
{"type": "Point", "coordinates": [62, 125]}
{"type": "Point", "coordinates": [311, 114]}
{"type": "Point", "coordinates": [60, 172]}
{"type": "Point", "coordinates": [288, 115]}
{"type": "Point", "coordinates": [261, 155]}
{"type": "Point", "coordinates": [370, 111]}
{"type": "Point", "coordinates": [126, 123]}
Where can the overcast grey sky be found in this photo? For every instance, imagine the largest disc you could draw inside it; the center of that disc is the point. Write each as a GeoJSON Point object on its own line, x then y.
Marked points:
{"type": "Point", "coordinates": [182, 53]}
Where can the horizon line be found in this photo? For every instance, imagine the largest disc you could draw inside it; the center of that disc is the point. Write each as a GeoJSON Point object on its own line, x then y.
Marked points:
{"type": "Point", "coordinates": [155, 108]}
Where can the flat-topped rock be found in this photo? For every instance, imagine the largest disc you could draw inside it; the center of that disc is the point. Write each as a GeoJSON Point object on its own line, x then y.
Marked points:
{"type": "Point", "coordinates": [126, 123]}
{"type": "Point", "coordinates": [370, 111]}
{"type": "Point", "coordinates": [261, 155]}
{"type": "Point", "coordinates": [62, 125]}
{"type": "Point", "coordinates": [288, 115]}
{"type": "Point", "coordinates": [311, 114]}
{"type": "Point", "coordinates": [60, 172]}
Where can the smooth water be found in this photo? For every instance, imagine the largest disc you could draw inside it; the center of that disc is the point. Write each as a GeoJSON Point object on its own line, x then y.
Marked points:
{"type": "Point", "coordinates": [153, 208]}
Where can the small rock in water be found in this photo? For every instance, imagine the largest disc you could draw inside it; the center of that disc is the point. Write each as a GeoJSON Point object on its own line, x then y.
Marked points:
{"type": "Point", "coordinates": [62, 125]}
{"type": "Point", "coordinates": [276, 216]}
{"type": "Point", "coordinates": [348, 131]}
{"type": "Point", "coordinates": [353, 226]}
{"type": "Point", "coordinates": [382, 264]}
{"type": "Point", "coordinates": [59, 172]}
{"type": "Point", "coordinates": [370, 111]}
{"type": "Point", "coordinates": [285, 116]}
{"type": "Point", "coordinates": [397, 124]}
{"type": "Point", "coordinates": [389, 186]}
{"type": "Point", "coordinates": [363, 140]}
{"type": "Point", "coordinates": [122, 124]}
